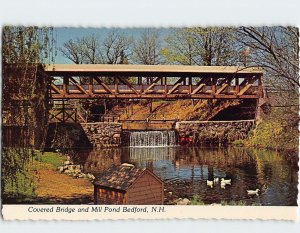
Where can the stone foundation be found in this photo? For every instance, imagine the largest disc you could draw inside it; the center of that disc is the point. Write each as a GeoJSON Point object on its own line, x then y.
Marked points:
{"type": "Point", "coordinates": [83, 135]}
{"type": "Point", "coordinates": [103, 134]}
{"type": "Point", "coordinates": [110, 134]}
{"type": "Point", "coordinates": [212, 132]}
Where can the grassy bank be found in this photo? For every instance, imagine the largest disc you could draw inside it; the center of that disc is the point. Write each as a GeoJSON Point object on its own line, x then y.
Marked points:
{"type": "Point", "coordinates": [274, 132]}
{"type": "Point", "coordinates": [196, 200]}
{"type": "Point", "coordinates": [36, 179]}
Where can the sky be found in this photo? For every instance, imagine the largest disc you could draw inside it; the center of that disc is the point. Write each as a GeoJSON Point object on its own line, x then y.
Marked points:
{"type": "Point", "coordinates": [62, 35]}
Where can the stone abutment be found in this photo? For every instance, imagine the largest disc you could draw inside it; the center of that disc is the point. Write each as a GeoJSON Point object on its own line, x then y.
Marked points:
{"type": "Point", "coordinates": [212, 132]}
{"type": "Point", "coordinates": [111, 134]}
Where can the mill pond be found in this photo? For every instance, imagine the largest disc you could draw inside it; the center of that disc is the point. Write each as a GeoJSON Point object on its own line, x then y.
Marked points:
{"type": "Point", "coordinates": [186, 170]}
{"type": "Point", "coordinates": [190, 173]}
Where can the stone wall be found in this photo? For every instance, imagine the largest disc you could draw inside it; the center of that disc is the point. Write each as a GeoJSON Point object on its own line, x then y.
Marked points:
{"type": "Point", "coordinates": [212, 132]}
{"type": "Point", "coordinates": [103, 134]}
{"type": "Point", "coordinates": [83, 135]}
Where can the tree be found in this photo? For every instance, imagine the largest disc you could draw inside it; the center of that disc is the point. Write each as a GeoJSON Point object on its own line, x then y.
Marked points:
{"type": "Point", "coordinates": [180, 48]}
{"type": "Point", "coordinates": [91, 51]}
{"type": "Point", "coordinates": [23, 45]}
{"type": "Point", "coordinates": [116, 48]}
{"type": "Point", "coordinates": [201, 46]}
{"type": "Point", "coordinates": [24, 99]}
{"type": "Point", "coordinates": [146, 49]}
{"type": "Point", "coordinates": [73, 50]}
{"type": "Point", "coordinates": [25, 92]}
{"type": "Point", "coordinates": [84, 50]}
{"type": "Point", "coordinates": [277, 50]}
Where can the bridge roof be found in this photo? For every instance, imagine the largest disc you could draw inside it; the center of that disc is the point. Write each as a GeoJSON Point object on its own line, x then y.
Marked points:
{"type": "Point", "coordinates": [167, 70]}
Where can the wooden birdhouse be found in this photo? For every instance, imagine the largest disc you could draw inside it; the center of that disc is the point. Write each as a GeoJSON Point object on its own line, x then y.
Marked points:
{"type": "Point", "coordinates": [128, 185]}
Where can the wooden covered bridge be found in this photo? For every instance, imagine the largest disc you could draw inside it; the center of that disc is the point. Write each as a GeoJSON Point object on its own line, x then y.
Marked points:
{"type": "Point", "coordinates": [169, 82]}
{"type": "Point", "coordinates": [102, 81]}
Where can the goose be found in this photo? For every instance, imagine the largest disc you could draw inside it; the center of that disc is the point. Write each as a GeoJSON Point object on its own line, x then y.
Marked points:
{"type": "Point", "coordinates": [226, 181]}
{"type": "Point", "coordinates": [127, 165]}
{"type": "Point", "coordinates": [216, 180]}
{"type": "Point", "coordinates": [223, 185]}
{"type": "Point", "coordinates": [210, 183]}
{"type": "Point", "coordinates": [253, 192]}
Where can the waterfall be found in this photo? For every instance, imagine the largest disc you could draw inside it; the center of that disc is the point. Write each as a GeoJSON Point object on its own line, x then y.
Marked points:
{"type": "Point", "coordinates": [152, 139]}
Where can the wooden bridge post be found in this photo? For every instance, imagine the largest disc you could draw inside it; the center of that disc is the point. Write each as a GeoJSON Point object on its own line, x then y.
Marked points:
{"type": "Point", "coordinates": [213, 86]}
{"type": "Point", "coordinates": [190, 85]}
{"type": "Point", "coordinates": [116, 81]}
{"type": "Point", "coordinates": [166, 87]}
{"type": "Point", "coordinates": [65, 85]}
{"type": "Point", "coordinates": [237, 86]}
{"type": "Point", "coordinates": [91, 86]}
{"type": "Point", "coordinates": [63, 111]}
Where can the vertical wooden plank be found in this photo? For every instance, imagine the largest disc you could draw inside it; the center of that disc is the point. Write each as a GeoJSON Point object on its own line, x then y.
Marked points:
{"type": "Point", "coordinates": [213, 86]}
{"type": "Point", "coordinates": [237, 86]}
{"type": "Point", "coordinates": [166, 87]}
{"type": "Point", "coordinates": [190, 85]}
{"type": "Point", "coordinates": [65, 85]}
{"type": "Point", "coordinates": [63, 111]}
{"type": "Point", "coordinates": [91, 91]}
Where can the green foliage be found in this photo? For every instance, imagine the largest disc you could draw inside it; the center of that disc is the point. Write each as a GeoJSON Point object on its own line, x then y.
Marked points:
{"type": "Point", "coordinates": [238, 203]}
{"type": "Point", "coordinates": [50, 158]}
{"type": "Point", "coordinates": [146, 48]}
{"type": "Point", "coordinates": [24, 45]}
{"type": "Point", "coordinates": [196, 200]}
{"type": "Point", "coordinates": [239, 142]}
{"type": "Point", "coordinates": [15, 178]}
{"type": "Point", "coordinates": [24, 91]}
{"type": "Point", "coordinates": [19, 168]}
{"type": "Point", "coordinates": [277, 131]}
{"type": "Point", "coordinates": [201, 46]}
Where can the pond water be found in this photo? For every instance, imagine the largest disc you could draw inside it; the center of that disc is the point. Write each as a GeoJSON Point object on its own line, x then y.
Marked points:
{"type": "Point", "coordinates": [185, 171]}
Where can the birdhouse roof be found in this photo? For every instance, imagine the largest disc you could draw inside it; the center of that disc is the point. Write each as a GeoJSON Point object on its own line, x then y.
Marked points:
{"type": "Point", "coordinates": [121, 177]}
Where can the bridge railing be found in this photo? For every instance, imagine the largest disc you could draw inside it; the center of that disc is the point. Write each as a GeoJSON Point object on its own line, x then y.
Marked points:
{"type": "Point", "coordinates": [155, 91]}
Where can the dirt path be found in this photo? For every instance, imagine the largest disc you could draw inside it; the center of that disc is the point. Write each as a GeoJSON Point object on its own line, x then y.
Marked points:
{"type": "Point", "coordinates": [53, 187]}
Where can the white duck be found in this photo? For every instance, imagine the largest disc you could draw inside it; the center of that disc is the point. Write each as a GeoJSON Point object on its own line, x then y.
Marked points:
{"type": "Point", "coordinates": [223, 185]}
{"type": "Point", "coordinates": [226, 181]}
{"type": "Point", "coordinates": [253, 192]}
{"type": "Point", "coordinates": [216, 180]}
{"type": "Point", "coordinates": [210, 183]}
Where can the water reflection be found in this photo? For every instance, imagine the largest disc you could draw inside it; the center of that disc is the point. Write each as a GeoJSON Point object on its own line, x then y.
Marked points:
{"type": "Point", "coordinates": [186, 169]}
